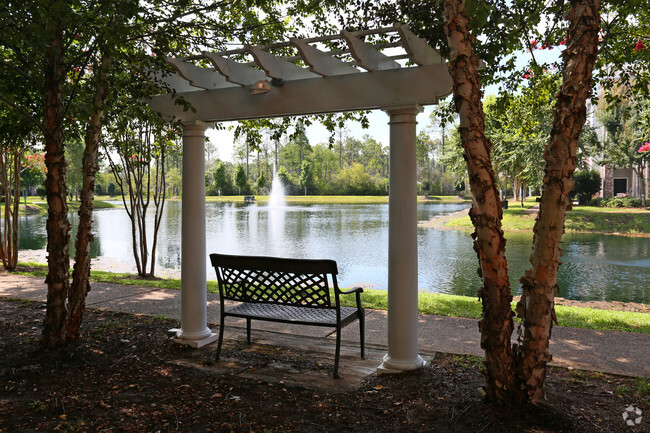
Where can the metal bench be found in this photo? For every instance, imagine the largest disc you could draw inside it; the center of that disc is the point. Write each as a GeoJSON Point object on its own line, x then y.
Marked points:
{"type": "Point", "coordinates": [294, 291]}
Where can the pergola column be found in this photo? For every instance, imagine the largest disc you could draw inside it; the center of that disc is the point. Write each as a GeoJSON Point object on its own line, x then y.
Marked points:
{"type": "Point", "coordinates": [402, 243]}
{"type": "Point", "coordinates": [194, 330]}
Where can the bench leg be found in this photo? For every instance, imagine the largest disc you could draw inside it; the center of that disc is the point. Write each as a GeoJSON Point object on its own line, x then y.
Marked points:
{"type": "Point", "coordinates": [362, 333]}
{"type": "Point", "coordinates": [220, 338]}
{"type": "Point", "coordinates": [248, 330]}
{"type": "Point", "coordinates": [338, 353]}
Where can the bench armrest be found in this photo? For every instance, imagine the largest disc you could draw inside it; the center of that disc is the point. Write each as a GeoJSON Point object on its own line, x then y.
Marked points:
{"type": "Point", "coordinates": [352, 290]}
{"type": "Point", "coordinates": [357, 291]}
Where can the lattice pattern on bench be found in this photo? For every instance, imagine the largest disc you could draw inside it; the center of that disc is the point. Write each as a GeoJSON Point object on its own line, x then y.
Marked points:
{"type": "Point", "coordinates": [251, 285]}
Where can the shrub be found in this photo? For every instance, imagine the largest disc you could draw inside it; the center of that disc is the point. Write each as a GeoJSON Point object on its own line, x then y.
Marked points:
{"type": "Point", "coordinates": [99, 190]}
{"type": "Point", "coordinates": [617, 202]}
{"type": "Point", "coordinates": [587, 184]}
{"type": "Point", "coordinates": [596, 202]}
{"type": "Point", "coordinates": [41, 192]}
{"type": "Point", "coordinates": [110, 189]}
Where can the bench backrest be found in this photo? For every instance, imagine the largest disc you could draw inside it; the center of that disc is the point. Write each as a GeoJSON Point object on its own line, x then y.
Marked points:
{"type": "Point", "coordinates": [297, 282]}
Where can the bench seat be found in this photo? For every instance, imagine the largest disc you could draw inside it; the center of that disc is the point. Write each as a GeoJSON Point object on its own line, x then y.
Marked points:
{"type": "Point", "coordinates": [294, 315]}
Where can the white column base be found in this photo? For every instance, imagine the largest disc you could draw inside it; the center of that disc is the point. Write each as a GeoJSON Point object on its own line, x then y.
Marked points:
{"type": "Point", "coordinates": [195, 341]}
{"type": "Point", "coordinates": [394, 366]}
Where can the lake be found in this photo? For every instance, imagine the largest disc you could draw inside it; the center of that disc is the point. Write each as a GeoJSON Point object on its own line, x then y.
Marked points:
{"type": "Point", "coordinates": [595, 267]}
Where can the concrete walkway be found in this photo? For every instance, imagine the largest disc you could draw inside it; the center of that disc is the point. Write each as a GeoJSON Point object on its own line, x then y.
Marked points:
{"type": "Point", "coordinates": [607, 352]}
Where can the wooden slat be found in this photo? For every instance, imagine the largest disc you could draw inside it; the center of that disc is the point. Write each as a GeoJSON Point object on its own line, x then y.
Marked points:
{"type": "Point", "coordinates": [366, 56]}
{"type": "Point", "coordinates": [322, 63]}
{"type": "Point", "coordinates": [418, 50]}
{"type": "Point", "coordinates": [235, 72]}
{"type": "Point", "coordinates": [203, 78]}
{"type": "Point", "coordinates": [276, 67]}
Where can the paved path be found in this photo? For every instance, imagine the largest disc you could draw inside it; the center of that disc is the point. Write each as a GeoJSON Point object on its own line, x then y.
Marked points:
{"type": "Point", "coordinates": [607, 352]}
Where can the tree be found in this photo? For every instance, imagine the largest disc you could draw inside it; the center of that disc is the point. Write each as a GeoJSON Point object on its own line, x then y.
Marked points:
{"type": "Point", "coordinates": [261, 183]}
{"type": "Point", "coordinates": [497, 325]}
{"type": "Point", "coordinates": [110, 189]}
{"type": "Point", "coordinates": [306, 179]}
{"type": "Point", "coordinates": [58, 57]}
{"type": "Point", "coordinates": [627, 125]}
{"type": "Point", "coordinates": [220, 179]}
{"type": "Point", "coordinates": [539, 284]}
{"type": "Point", "coordinates": [241, 180]}
{"type": "Point", "coordinates": [141, 145]}
{"type": "Point", "coordinates": [587, 184]}
{"type": "Point", "coordinates": [15, 162]}
{"type": "Point", "coordinates": [295, 151]}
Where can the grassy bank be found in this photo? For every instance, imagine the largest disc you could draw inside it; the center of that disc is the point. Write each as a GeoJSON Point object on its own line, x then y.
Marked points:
{"type": "Point", "coordinates": [37, 205]}
{"type": "Point", "coordinates": [334, 199]}
{"type": "Point", "coordinates": [580, 219]}
{"type": "Point", "coordinates": [429, 303]}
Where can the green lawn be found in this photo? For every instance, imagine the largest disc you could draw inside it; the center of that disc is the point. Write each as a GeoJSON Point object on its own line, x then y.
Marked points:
{"type": "Point", "coordinates": [36, 204]}
{"type": "Point", "coordinates": [429, 303]}
{"type": "Point", "coordinates": [580, 219]}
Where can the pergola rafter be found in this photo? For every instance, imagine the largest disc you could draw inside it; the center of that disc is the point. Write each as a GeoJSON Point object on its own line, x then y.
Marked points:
{"type": "Point", "coordinates": [398, 77]}
{"type": "Point", "coordinates": [327, 84]}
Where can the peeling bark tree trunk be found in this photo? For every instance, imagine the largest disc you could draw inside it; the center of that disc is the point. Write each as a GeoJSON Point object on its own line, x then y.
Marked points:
{"type": "Point", "coordinates": [539, 284]}
{"type": "Point", "coordinates": [10, 186]}
{"type": "Point", "coordinates": [496, 325]}
{"type": "Point", "coordinates": [81, 274]}
{"type": "Point", "coordinates": [58, 226]}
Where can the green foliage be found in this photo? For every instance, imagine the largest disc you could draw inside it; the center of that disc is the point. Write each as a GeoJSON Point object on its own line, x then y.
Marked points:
{"type": "Point", "coordinates": [221, 180]}
{"type": "Point", "coordinates": [627, 125]}
{"type": "Point", "coordinates": [261, 182]}
{"type": "Point", "coordinates": [99, 190]}
{"type": "Point", "coordinates": [284, 177]}
{"type": "Point", "coordinates": [241, 180]}
{"type": "Point", "coordinates": [306, 179]}
{"type": "Point", "coordinates": [617, 202]}
{"type": "Point", "coordinates": [587, 184]}
{"type": "Point", "coordinates": [41, 192]}
{"type": "Point", "coordinates": [110, 189]}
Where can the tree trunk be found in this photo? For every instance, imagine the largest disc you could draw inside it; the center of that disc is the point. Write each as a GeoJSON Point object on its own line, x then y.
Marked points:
{"type": "Point", "coordinates": [159, 202]}
{"type": "Point", "coordinates": [640, 172]}
{"type": "Point", "coordinates": [58, 226]}
{"type": "Point", "coordinates": [536, 307]}
{"type": "Point", "coordinates": [12, 245]}
{"type": "Point", "coordinates": [81, 273]}
{"type": "Point", "coordinates": [496, 325]}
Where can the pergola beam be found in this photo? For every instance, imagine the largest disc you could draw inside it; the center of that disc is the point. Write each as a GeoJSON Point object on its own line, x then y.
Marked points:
{"type": "Point", "coordinates": [352, 92]}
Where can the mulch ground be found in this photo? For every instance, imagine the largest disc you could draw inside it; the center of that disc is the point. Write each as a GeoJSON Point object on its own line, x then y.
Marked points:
{"type": "Point", "coordinates": [124, 375]}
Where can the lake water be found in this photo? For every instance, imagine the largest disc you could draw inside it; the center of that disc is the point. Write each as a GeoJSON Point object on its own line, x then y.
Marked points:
{"type": "Point", "coordinates": [595, 267]}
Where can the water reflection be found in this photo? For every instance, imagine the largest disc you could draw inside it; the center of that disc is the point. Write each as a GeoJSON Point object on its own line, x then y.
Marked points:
{"type": "Point", "coordinates": [356, 236]}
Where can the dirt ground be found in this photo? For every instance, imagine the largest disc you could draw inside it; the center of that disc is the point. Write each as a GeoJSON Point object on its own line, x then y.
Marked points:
{"type": "Point", "coordinates": [124, 375]}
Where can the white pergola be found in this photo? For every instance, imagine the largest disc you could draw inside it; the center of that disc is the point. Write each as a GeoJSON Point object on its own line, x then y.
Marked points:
{"type": "Point", "coordinates": [359, 77]}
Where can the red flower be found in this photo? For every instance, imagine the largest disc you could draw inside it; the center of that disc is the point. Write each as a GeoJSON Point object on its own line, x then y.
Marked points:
{"type": "Point", "coordinates": [533, 43]}
{"type": "Point", "coordinates": [644, 148]}
{"type": "Point", "coordinates": [639, 46]}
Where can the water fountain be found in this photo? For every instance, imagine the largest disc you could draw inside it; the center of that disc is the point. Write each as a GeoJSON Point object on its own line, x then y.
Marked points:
{"type": "Point", "coordinates": [276, 206]}
{"type": "Point", "coordinates": [276, 199]}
